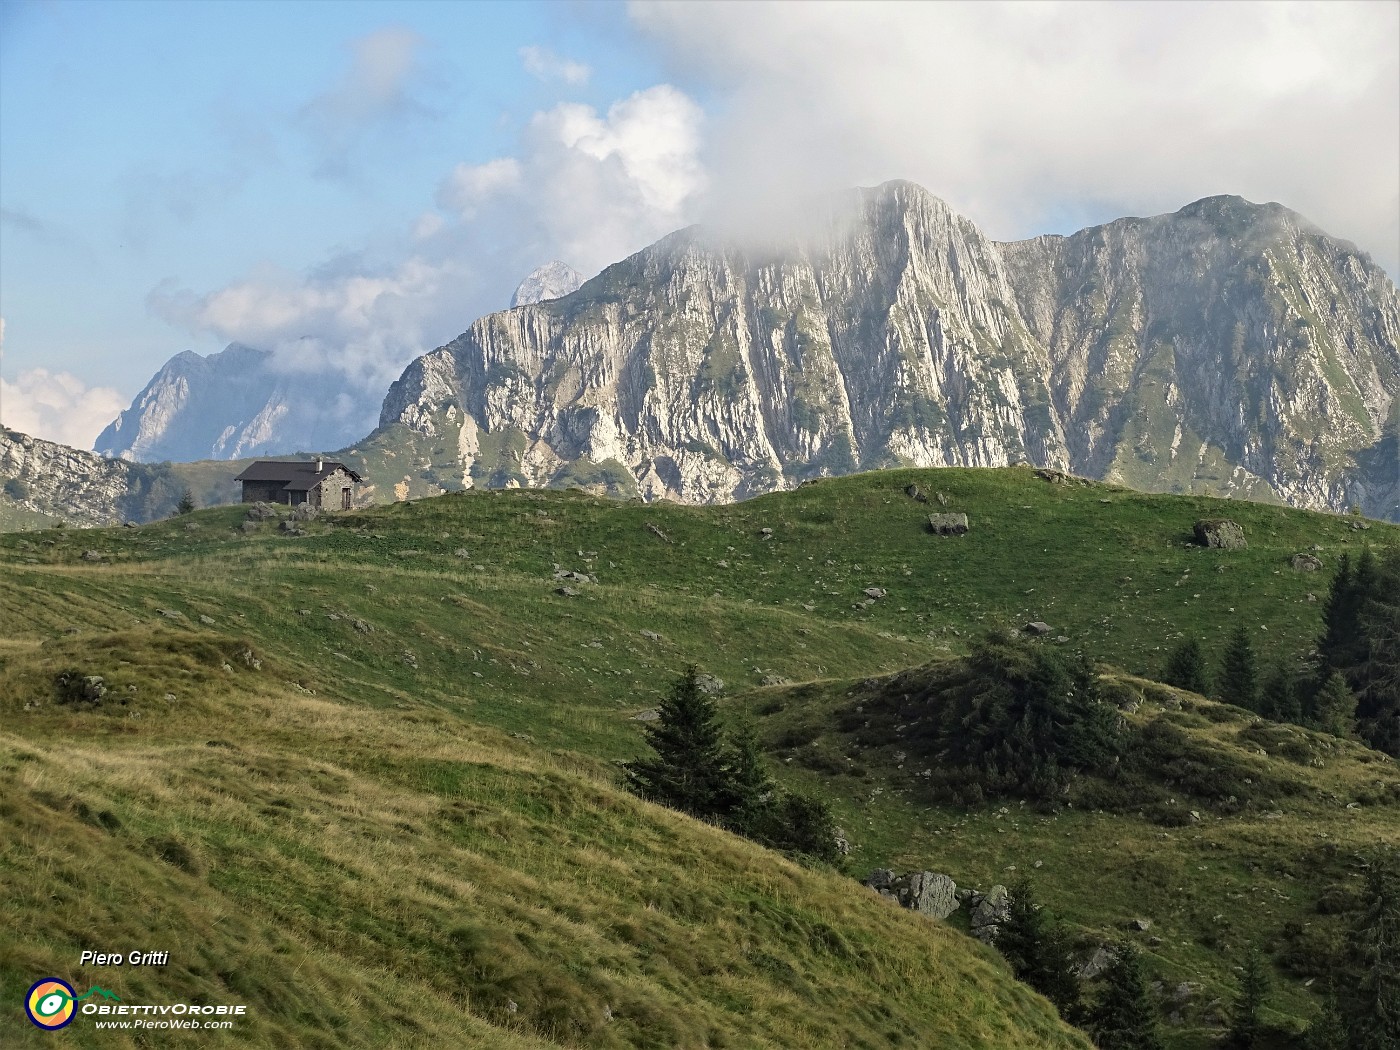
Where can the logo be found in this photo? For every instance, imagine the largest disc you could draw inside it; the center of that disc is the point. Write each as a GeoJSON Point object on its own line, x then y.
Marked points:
{"type": "Point", "coordinates": [50, 1003]}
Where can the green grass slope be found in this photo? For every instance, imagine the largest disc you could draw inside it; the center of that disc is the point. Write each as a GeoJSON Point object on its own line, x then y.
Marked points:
{"type": "Point", "coordinates": [396, 642]}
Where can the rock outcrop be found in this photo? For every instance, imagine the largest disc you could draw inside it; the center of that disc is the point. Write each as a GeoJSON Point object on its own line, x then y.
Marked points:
{"type": "Point", "coordinates": [1228, 348]}
{"type": "Point", "coordinates": [926, 892]}
{"type": "Point", "coordinates": [553, 280]}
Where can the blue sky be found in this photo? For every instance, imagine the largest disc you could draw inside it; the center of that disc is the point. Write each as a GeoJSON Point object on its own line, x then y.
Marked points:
{"type": "Point", "coordinates": [351, 184]}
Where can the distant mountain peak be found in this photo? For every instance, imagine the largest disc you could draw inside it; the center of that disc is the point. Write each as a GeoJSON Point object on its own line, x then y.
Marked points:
{"type": "Point", "coordinates": [553, 280]}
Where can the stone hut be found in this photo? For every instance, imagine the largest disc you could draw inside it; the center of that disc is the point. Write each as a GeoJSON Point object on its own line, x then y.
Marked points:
{"type": "Point", "coordinates": [320, 483]}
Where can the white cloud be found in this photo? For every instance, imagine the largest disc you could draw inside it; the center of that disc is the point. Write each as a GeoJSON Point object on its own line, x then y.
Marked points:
{"type": "Point", "coordinates": [1026, 114]}
{"type": "Point", "coordinates": [375, 91]}
{"type": "Point", "coordinates": [543, 64]}
{"type": "Point", "coordinates": [586, 187]}
{"type": "Point", "coordinates": [470, 185]}
{"type": "Point", "coordinates": [57, 406]}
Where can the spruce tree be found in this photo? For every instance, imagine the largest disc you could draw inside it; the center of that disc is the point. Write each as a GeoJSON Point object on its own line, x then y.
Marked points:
{"type": "Point", "coordinates": [1246, 1022]}
{"type": "Point", "coordinates": [1329, 1031]}
{"type": "Point", "coordinates": [186, 504]}
{"type": "Point", "coordinates": [1038, 950]}
{"type": "Point", "coordinates": [752, 798]}
{"type": "Point", "coordinates": [1334, 707]}
{"type": "Point", "coordinates": [1238, 683]}
{"type": "Point", "coordinates": [1123, 1017]}
{"type": "Point", "coordinates": [691, 769]}
{"type": "Point", "coordinates": [1373, 1011]}
{"type": "Point", "coordinates": [1186, 668]}
{"type": "Point", "coordinates": [1376, 681]}
{"type": "Point", "coordinates": [1279, 698]}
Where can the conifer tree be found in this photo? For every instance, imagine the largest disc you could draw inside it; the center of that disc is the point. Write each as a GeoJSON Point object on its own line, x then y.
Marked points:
{"type": "Point", "coordinates": [1373, 1011]}
{"type": "Point", "coordinates": [1238, 683]}
{"type": "Point", "coordinates": [1038, 951]}
{"type": "Point", "coordinates": [752, 798]}
{"type": "Point", "coordinates": [1186, 668]}
{"type": "Point", "coordinates": [1123, 1017]}
{"type": "Point", "coordinates": [1335, 707]}
{"type": "Point", "coordinates": [1246, 1023]}
{"type": "Point", "coordinates": [1279, 698]}
{"type": "Point", "coordinates": [691, 769]}
{"type": "Point", "coordinates": [1329, 1031]}
{"type": "Point", "coordinates": [186, 504]}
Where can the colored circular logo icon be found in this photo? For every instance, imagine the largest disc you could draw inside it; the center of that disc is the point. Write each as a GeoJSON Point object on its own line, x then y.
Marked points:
{"type": "Point", "coordinates": [49, 1003]}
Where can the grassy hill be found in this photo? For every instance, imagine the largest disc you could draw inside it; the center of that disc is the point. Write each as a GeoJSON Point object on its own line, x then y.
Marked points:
{"type": "Point", "coordinates": [406, 813]}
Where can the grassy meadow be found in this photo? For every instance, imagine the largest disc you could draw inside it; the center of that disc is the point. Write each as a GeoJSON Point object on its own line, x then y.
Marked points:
{"type": "Point", "coordinates": [364, 780]}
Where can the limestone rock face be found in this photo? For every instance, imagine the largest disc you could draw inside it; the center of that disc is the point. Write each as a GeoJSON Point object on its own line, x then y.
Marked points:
{"type": "Point", "coordinates": [553, 280]}
{"type": "Point", "coordinates": [49, 478]}
{"type": "Point", "coordinates": [1228, 348]}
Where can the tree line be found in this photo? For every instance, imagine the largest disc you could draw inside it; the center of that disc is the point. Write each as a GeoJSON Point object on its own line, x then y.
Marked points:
{"type": "Point", "coordinates": [1348, 686]}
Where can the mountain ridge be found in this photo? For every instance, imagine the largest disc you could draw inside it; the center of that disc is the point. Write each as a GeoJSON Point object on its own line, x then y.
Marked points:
{"type": "Point", "coordinates": [895, 332]}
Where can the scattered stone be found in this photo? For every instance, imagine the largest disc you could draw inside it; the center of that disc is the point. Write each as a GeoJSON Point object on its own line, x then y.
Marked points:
{"type": "Point", "coordinates": [1310, 597]}
{"type": "Point", "coordinates": [291, 528]}
{"type": "Point", "coordinates": [1059, 477]}
{"type": "Point", "coordinates": [1037, 627]}
{"type": "Point", "coordinates": [874, 592]}
{"type": "Point", "coordinates": [915, 493]}
{"type": "Point", "coordinates": [651, 636]}
{"type": "Point", "coordinates": [261, 512]}
{"type": "Point", "coordinates": [130, 525]}
{"type": "Point", "coordinates": [765, 534]}
{"type": "Point", "coordinates": [650, 715]}
{"type": "Point", "coordinates": [191, 526]}
{"type": "Point", "coordinates": [947, 524]}
{"type": "Point", "coordinates": [772, 679]}
{"type": "Point", "coordinates": [655, 530]}
{"type": "Point", "coordinates": [1220, 533]}
{"type": "Point", "coordinates": [573, 576]}
{"type": "Point", "coordinates": [408, 659]}
{"type": "Point", "coordinates": [1305, 563]}
{"type": "Point", "coordinates": [248, 526]}
{"type": "Point", "coordinates": [361, 626]}
{"type": "Point", "coordinates": [942, 499]}
{"type": "Point", "coordinates": [708, 683]}
{"type": "Point", "coordinates": [170, 696]}
{"type": "Point", "coordinates": [926, 892]}
{"type": "Point", "coordinates": [172, 614]}
{"type": "Point", "coordinates": [91, 555]}
{"type": "Point", "coordinates": [461, 552]}
{"type": "Point", "coordinates": [1141, 925]}
{"type": "Point", "coordinates": [94, 688]}
{"type": "Point", "coordinates": [1360, 526]}
{"type": "Point", "coordinates": [566, 592]}
{"type": "Point", "coordinates": [208, 621]}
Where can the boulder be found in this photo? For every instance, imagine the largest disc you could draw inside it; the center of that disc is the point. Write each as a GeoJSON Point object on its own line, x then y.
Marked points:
{"type": "Point", "coordinates": [1305, 563]}
{"type": "Point", "coordinates": [947, 524]}
{"type": "Point", "coordinates": [915, 493]}
{"type": "Point", "coordinates": [1037, 627]}
{"type": "Point", "coordinates": [93, 688]}
{"type": "Point", "coordinates": [926, 892]}
{"type": "Point", "coordinates": [1097, 963]}
{"type": "Point", "coordinates": [1220, 533]}
{"type": "Point", "coordinates": [875, 592]}
{"type": "Point", "coordinates": [91, 555]}
{"type": "Point", "coordinates": [989, 910]}
{"type": "Point", "coordinates": [708, 683]}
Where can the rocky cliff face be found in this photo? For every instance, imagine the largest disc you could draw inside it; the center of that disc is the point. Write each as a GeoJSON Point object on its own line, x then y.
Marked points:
{"type": "Point", "coordinates": [48, 478]}
{"type": "Point", "coordinates": [553, 280]}
{"type": "Point", "coordinates": [1227, 348]}
{"type": "Point", "coordinates": [230, 405]}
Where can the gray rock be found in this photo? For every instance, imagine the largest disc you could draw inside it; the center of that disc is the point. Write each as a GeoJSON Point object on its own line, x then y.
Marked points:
{"type": "Point", "coordinates": [248, 526]}
{"type": "Point", "coordinates": [566, 592]}
{"type": "Point", "coordinates": [1141, 925]}
{"type": "Point", "coordinates": [915, 493]}
{"type": "Point", "coordinates": [988, 911]}
{"type": "Point", "coordinates": [1037, 627]}
{"type": "Point", "coordinates": [843, 844]}
{"type": "Point", "coordinates": [208, 621]}
{"type": "Point", "coordinates": [710, 684]}
{"type": "Point", "coordinates": [874, 592]}
{"type": "Point", "coordinates": [651, 636]}
{"type": "Point", "coordinates": [1220, 533]}
{"type": "Point", "coordinates": [773, 679]}
{"type": "Point", "coordinates": [947, 524]}
{"type": "Point", "coordinates": [1097, 963]}
{"type": "Point", "coordinates": [942, 499]}
{"type": "Point", "coordinates": [261, 512]}
{"type": "Point", "coordinates": [91, 555]}
{"type": "Point", "coordinates": [1305, 563]}
{"type": "Point", "coordinates": [765, 534]}
{"type": "Point", "coordinates": [93, 688]}
{"type": "Point", "coordinates": [931, 893]}
{"type": "Point", "coordinates": [650, 715]}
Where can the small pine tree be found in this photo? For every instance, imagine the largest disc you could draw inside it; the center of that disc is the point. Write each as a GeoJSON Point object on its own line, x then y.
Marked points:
{"type": "Point", "coordinates": [1329, 1031]}
{"type": "Point", "coordinates": [752, 798]}
{"type": "Point", "coordinates": [1238, 683]}
{"type": "Point", "coordinates": [1373, 1011]}
{"type": "Point", "coordinates": [1038, 950]}
{"type": "Point", "coordinates": [1123, 1017]}
{"type": "Point", "coordinates": [1186, 668]}
{"type": "Point", "coordinates": [1246, 1024]}
{"type": "Point", "coordinates": [1279, 698]}
{"type": "Point", "coordinates": [805, 825]}
{"type": "Point", "coordinates": [186, 504]}
{"type": "Point", "coordinates": [1334, 707]}
{"type": "Point", "coordinates": [691, 771]}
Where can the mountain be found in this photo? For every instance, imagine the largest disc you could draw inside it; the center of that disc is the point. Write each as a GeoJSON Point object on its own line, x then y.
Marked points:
{"type": "Point", "coordinates": [553, 280]}
{"type": "Point", "coordinates": [234, 404]}
{"type": "Point", "coordinates": [1228, 348]}
{"type": "Point", "coordinates": [43, 483]}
